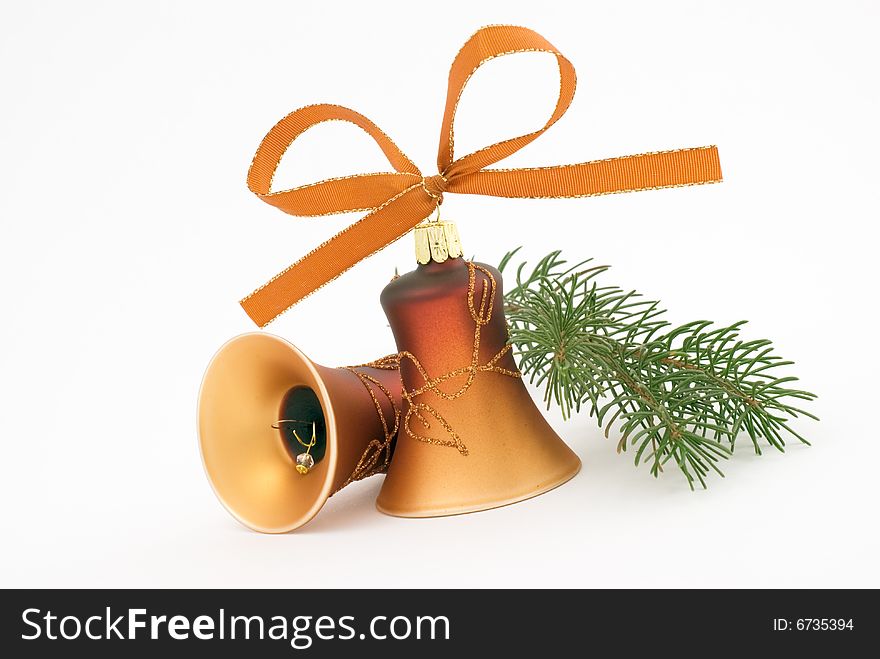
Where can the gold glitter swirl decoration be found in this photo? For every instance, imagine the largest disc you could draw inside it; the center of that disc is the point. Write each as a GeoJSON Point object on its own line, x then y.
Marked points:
{"type": "Point", "coordinates": [377, 455]}
{"type": "Point", "coordinates": [481, 313]}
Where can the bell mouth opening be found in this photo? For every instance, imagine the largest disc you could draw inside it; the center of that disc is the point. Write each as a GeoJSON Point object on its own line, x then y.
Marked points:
{"type": "Point", "coordinates": [249, 463]}
{"type": "Point", "coordinates": [302, 427]}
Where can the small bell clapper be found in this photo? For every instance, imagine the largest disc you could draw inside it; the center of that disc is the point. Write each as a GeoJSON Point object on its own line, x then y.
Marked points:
{"type": "Point", "coordinates": [304, 461]}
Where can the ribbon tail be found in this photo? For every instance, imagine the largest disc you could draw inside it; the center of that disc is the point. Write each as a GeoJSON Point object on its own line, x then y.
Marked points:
{"type": "Point", "coordinates": [383, 226]}
{"type": "Point", "coordinates": [646, 171]}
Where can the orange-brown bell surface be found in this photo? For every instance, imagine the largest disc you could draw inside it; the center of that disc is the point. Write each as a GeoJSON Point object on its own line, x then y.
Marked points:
{"type": "Point", "coordinates": [512, 452]}
{"type": "Point", "coordinates": [247, 461]}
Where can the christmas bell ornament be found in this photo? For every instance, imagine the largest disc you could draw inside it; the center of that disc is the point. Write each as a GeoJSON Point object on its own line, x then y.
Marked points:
{"type": "Point", "coordinates": [280, 434]}
{"type": "Point", "coordinates": [471, 437]}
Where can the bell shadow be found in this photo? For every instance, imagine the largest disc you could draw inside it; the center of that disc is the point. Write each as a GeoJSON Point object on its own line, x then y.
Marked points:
{"type": "Point", "coordinates": [351, 507]}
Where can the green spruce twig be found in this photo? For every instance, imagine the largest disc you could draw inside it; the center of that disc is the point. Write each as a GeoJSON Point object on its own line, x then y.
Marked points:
{"type": "Point", "coordinates": [683, 394]}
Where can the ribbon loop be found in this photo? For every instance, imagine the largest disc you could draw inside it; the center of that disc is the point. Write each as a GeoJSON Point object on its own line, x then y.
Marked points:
{"type": "Point", "coordinates": [340, 195]}
{"type": "Point", "coordinates": [396, 201]}
{"type": "Point", "coordinates": [487, 44]}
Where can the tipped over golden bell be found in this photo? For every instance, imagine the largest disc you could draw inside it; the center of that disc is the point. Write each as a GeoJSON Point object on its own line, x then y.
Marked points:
{"type": "Point", "coordinates": [263, 405]}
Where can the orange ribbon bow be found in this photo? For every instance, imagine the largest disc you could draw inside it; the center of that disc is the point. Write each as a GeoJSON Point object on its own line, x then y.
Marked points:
{"type": "Point", "coordinates": [397, 201]}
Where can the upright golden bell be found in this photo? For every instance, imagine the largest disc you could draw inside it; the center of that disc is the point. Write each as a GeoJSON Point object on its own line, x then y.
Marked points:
{"type": "Point", "coordinates": [471, 437]}
{"type": "Point", "coordinates": [264, 405]}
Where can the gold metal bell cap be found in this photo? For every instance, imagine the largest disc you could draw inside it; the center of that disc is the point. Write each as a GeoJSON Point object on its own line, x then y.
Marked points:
{"type": "Point", "coordinates": [251, 467]}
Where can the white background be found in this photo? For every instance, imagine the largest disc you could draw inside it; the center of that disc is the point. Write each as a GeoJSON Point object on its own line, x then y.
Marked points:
{"type": "Point", "coordinates": [128, 236]}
